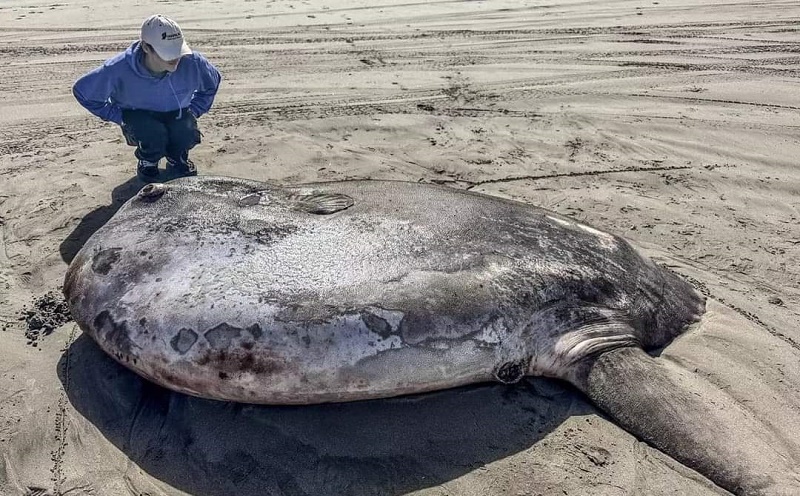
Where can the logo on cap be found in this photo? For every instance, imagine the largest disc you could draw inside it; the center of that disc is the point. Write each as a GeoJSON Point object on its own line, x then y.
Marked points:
{"type": "Point", "coordinates": [172, 36]}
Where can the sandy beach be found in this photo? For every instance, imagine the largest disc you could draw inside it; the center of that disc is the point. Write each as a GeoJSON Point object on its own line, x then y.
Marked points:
{"type": "Point", "coordinates": [673, 123]}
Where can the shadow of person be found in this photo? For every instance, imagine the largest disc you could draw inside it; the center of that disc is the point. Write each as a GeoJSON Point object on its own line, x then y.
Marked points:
{"type": "Point", "coordinates": [386, 447]}
{"type": "Point", "coordinates": [97, 218]}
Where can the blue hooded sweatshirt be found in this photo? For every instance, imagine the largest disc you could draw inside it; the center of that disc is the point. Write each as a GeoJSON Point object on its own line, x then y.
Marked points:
{"type": "Point", "coordinates": [123, 82]}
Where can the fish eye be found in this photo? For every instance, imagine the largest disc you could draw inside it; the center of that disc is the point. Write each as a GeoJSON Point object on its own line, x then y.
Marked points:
{"type": "Point", "coordinates": [152, 191]}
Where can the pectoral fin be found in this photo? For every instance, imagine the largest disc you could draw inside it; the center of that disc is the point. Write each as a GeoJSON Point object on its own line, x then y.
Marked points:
{"type": "Point", "coordinates": [322, 203]}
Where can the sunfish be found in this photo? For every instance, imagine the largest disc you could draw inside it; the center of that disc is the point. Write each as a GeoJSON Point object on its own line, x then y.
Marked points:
{"type": "Point", "coordinates": [239, 290]}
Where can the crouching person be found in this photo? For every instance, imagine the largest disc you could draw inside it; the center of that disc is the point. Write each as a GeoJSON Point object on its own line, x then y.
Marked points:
{"type": "Point", "coordinates": [155, 90]}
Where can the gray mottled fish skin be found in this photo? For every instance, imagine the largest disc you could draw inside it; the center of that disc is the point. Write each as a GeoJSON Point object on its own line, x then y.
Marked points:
{"type": "Point", "coordinates": [237, 290]}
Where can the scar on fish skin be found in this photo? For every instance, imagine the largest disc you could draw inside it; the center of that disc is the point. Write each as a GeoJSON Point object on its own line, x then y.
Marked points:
{"type": "Point", "coordinates": [220, 337]}
{"type": "Point", "coordinates": [104, 260]}
{"type": "Point", "coordinates": [184, 340]}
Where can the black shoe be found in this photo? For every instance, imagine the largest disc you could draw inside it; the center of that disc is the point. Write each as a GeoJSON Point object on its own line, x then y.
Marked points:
{"type": "Point", "coordinates": [147, 171]}
{"type": "Point", "coordinates": [182, 167]}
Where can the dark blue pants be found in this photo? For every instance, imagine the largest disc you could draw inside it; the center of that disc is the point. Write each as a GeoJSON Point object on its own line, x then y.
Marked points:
{"type": "Point", "coordinates": [160, 134]}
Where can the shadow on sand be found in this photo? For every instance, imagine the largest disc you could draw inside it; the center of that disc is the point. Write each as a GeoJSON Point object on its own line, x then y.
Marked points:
{"type": "Point", "coordinates": [385, 447]}
{"type": "Point", "coordinates": [98, 217]}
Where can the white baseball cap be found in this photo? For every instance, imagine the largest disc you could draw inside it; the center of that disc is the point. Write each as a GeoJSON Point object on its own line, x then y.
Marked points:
{"type": "Point", "coordinates": [165, 36]}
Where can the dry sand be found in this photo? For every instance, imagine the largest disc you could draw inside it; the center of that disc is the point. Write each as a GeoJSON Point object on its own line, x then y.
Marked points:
{"type": "Point", "coordinates": [671, 122]}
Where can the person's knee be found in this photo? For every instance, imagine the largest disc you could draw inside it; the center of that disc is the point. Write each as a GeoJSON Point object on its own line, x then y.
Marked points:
{"type": "Point", "coordinates": [144, 130]}
{"type": "Point", "coordinates": [146, 138]}
{"type": "Point", "coordinates": [184, 133]}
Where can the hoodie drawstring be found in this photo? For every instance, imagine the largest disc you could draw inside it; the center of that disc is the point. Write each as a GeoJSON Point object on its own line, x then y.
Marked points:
{"type": "Point", "coordinates": [180, 109]}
